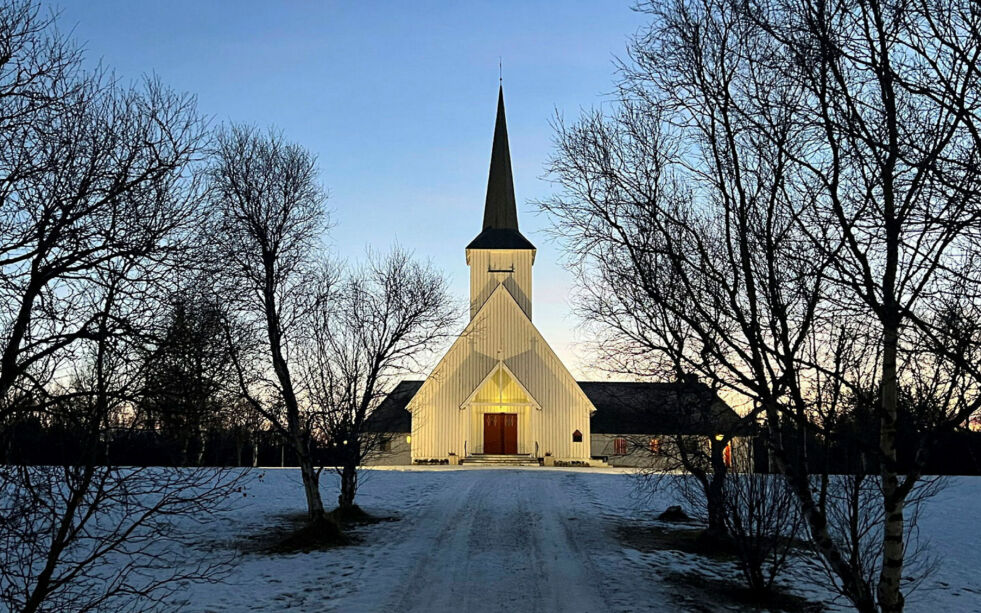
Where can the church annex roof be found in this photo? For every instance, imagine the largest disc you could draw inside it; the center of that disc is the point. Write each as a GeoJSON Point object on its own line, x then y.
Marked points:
{"type": "Point", "coordinates": [391, 415]}
{"type": "Point", "coordinates": [657, 408]}
{"type": "Point", "coordinates": [621, 408]}
{"type": "Point", "coordinates": [500, 229]}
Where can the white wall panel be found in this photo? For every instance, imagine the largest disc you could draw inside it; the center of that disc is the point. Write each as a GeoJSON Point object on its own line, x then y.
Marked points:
{"type": "Point", "coordinates": [485, 275]}
{"type": "Point", "coordinates": [500, 330]}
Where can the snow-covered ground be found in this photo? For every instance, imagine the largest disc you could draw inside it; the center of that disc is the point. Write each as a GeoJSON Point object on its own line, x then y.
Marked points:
{"type": "Point", "coordinates": [517, 540]}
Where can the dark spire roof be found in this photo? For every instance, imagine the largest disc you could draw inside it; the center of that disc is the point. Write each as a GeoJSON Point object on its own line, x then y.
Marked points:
{"type": "Point", "coordinates": [500, 229]}
{"type": "Point", "coordinates": [500, 211]}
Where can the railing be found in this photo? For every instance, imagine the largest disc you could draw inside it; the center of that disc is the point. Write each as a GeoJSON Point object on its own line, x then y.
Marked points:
{"type": "Point", "coordinates": [465, 449]}
{"type": "Point", "coordinates": [536, 449]}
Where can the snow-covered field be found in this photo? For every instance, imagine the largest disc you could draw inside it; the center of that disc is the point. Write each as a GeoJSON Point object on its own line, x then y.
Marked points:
{"type": "Point", "coordinates": [536, 539]}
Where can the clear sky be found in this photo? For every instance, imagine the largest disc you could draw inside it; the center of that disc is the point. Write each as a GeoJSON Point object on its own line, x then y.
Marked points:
{"type": "Point", "coordinates": [397, 99]}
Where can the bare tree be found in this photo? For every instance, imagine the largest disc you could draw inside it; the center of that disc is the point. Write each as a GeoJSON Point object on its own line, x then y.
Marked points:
{"type": "Point", "coordinates": [806, 173]}
{"type": "Point", "coordinates": [893, 124]}
{"type": "Point", "coordinates": [372, 327]}
{"type": "Point", "coordinates": [39, 71]}
{"type": "Point", "coordinates": [93, 175]}
{"type": "Point", "coordinates": [763, 520]}
{"type": "Point", "coordinates": [97, 200]}
{"type": "Point", "coordinates": [705, 432]}
{"type": "Point", "coordinates": [269, 219]}
{"type": "Point", "coordinates": [90, 535]}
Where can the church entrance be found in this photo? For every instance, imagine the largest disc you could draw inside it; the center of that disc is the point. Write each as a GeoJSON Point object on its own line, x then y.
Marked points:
{"type": "Point", "coordinates": [500, 433]}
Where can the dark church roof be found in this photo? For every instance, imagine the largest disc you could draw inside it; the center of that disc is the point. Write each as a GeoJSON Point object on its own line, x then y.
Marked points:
{"type": "Point", "coordinates": [500, 229]}
{"type": "Point", "coordinates": [621, 408]}
{"type": "Point", "coordinates": [391, 415]}
{"type": "Point", "coordinates": [657, 408]}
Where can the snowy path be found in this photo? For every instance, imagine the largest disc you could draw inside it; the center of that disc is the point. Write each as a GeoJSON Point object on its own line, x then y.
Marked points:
{"type": "Point", "coordinates": [536, 540]}
{"type": "Point", "coordinates": [506, 542]}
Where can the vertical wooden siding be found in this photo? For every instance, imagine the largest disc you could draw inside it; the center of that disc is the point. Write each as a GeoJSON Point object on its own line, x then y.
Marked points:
{"type": "Point", "coordinates": [500, 330]}
{"type": "Point", "coordinates": [483, 279]}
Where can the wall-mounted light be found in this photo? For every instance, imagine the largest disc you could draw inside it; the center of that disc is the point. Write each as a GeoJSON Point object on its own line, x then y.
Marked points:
{"type": "Point", "coordinates": [408, 439]}
{"type": "Point", "coordinates": [719, 437]}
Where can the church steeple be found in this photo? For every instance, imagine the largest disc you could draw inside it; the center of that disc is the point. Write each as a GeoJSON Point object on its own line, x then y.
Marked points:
{"type": "Point", "coordinates": [500, 211]}
{"type": "Point", "coordinates": [500, 229]}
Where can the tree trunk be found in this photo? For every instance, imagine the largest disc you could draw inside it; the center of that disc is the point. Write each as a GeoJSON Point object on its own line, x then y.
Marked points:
{"type": "Point", "coordinates": [311, 487]}
{"type": "Point", "coordinates": [853, 583]}
{"type": "Point", "coordinates": [297, 437]}
{"type": "Point", "coordinates": [255, 451]}
{"type": "Point", "coordinates": [9, 368]}
{"type": "Point", "coordinates": [893, 501]}
{"type": "Point", "coordinates": [202, 444]}
{"type": "Point", "coordinates": [716, 517]}
{"type": "Point", "coordinates": [715, 492]}
{"type": "Point", "coordinates": [714, 498]}
{"type": "Point", "coordinates": [890, 575]}
{"type": "Point", "coordinates": [349, 485]}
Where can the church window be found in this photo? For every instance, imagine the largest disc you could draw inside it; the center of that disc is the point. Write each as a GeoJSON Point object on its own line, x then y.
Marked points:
{"type": "Point", "coordinates": [577, 437]}
{"type": "Point", "coordinates": [656, 446]}
{"type": "Point", "coordinates": [385, 445]}
{"type": "Point", "coordinates": [619, 446]}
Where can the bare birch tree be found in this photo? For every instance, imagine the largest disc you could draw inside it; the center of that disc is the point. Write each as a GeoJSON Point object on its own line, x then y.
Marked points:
{"type": "Point", "coordinates": [892, 116]}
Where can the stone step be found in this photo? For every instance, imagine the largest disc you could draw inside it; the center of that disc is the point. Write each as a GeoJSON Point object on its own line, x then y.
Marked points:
{"type": "Point", "coordinates": [509, 460]}
{"type": "Point", "coordinates": [501, 459]}
{"type": "Point", "coordinates": [469, 463]}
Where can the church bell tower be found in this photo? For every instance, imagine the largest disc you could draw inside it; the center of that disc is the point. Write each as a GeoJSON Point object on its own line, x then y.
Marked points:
{"type": "Point", "coordinates": [500, 254]}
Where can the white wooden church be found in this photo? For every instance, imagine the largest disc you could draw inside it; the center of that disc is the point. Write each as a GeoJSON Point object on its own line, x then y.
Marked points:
{"type": "Point", "coordinates": [500, 392]}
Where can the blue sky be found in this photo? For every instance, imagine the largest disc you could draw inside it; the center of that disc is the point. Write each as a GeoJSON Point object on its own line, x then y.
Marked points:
{"type": "Point", "coordinates": [397, 100]}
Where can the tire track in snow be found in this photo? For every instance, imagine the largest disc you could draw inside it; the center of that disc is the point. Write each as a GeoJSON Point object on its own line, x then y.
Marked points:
{"type": "Point", "coordinates": [501, 542]}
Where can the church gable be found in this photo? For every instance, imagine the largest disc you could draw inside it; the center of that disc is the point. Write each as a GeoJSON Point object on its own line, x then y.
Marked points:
{"type": "Point", "coordinates": [501, 332]}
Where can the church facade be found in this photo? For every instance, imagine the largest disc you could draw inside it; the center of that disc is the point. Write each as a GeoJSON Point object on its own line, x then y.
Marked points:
{"type": "Point", "coordinates": [500, 389]}
{"type": "Point", "coordinates": [501, 394]}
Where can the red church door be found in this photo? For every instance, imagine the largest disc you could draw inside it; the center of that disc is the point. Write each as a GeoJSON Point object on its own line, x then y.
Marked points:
{"type": "Point", "coordinates": [501, 433]}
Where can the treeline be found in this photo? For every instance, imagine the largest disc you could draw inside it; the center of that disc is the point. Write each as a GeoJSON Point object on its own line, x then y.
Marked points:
{"type": "Point", "coordinates": [948, 453]}
{"type": "Point", "coordinates": [849, 443]}
{"type": "Point", "coordinates": [30, 442]}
